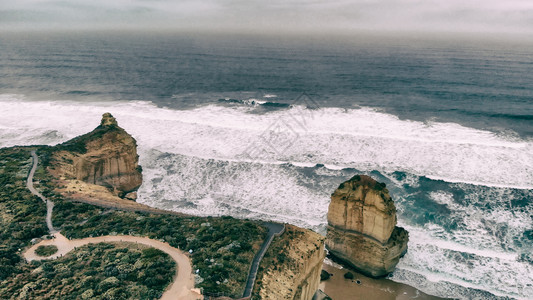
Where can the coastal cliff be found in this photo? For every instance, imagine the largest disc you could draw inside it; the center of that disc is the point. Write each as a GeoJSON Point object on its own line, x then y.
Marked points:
{"type": "Point", "coordinates": [101, 168]}
{"type": "Point", "coordinates": [362, 227]}
{"type": "Point", "coordinates": [291, 268]}
{"type": "Point", "coordinates": [105, 157]}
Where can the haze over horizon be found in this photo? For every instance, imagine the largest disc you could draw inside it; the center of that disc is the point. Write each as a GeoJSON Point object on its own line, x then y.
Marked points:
{"type": "Point", "coordinates": [277, 16]}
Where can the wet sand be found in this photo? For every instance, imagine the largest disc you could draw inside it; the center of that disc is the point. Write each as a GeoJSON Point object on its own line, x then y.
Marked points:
{"type": "Point", "coordinates": [339, 288]}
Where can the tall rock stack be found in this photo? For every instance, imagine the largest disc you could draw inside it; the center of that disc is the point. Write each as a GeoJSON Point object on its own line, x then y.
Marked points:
{"type": "Point", "coordinates": [362, 229]}
{"type": "Point", "coordinates": [106, 156]}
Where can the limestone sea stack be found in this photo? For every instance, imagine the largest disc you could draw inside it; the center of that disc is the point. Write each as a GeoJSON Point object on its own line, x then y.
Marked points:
{"type": "Point", "coordinates": [107, 157]}
{"type": "Point", "coordinates": [362, 229]}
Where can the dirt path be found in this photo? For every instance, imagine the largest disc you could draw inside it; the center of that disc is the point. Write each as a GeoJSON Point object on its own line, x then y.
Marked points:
{"type": "Point", "coordinates": [181, 287]}
{"type": "Point", "coordinates": [274, 229]}
{"type": "Point", "coordinates": [29, 185]}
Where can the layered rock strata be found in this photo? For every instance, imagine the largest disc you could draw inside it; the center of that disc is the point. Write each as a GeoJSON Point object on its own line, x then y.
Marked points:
{"type": "Point", "coordinates": [107, 157]}
{"type": "Point", "coordinates": [362, 227]}
{"type": "Point", "coordinates": [292, 270]}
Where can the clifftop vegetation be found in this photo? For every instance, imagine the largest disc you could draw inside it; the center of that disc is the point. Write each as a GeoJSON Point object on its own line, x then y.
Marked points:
{"type": "Point", "coordinates": [223, 248]}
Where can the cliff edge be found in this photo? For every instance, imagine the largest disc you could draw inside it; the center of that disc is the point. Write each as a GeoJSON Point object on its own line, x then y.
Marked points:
{"type": "Point", "coordinates": [291, 267]}
{"type": "Point", "coordinates": [106, 157]}
{"type": "Point", "coordinates": [362, 227]}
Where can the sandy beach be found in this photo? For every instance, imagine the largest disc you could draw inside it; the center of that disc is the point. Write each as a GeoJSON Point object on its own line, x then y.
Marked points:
{"type": "Point", "coordinates": [363, 287]}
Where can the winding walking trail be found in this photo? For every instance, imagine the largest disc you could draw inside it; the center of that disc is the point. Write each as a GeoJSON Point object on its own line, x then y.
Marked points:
{"type": "Point", "coordinates": [274, 229]}
{"type": "Point", "coordinates": [183, 283]}
{"type": "Point", "coordinates": [181, 287]}
{"type": "Point", "coordinates": [49, 204]}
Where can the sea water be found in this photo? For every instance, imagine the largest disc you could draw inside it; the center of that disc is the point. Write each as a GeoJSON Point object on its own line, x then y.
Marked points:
{"type": "Point", "coordinates": [268, 127]}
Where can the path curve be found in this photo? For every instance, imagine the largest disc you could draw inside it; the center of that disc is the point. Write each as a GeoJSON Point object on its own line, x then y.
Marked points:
{"type": "Point", "coordinates": [182, 285]}
{"type": "Point", "coordinates": [49, 204]}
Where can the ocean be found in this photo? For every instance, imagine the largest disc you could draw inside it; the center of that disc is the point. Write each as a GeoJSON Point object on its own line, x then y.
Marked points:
{"type": "Point", "coordinates": [267, 127]}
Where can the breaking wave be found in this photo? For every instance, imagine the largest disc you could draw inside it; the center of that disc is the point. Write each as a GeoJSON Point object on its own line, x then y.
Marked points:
{"type": "Point", "coordinates": [463, 194]}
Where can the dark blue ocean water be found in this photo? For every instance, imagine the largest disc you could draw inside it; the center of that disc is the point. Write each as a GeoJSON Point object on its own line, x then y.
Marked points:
{"type": "Point", "coordinates": [481, 84]}
{"type": "Point", "coordinates": [446, 123]}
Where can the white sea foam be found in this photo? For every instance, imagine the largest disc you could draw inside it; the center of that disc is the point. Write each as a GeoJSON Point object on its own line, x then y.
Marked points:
{"type": "Point", "coordinates": [439, 266]}
{"type": "Point", "coordinates": [432, 235]}
{"type": "Point", "coordinates": [216, 160]}
{"type": "Point", "coordinates": [445, 198]}
{"type": "Point", "coordinates": [468, 256]}
{"type": "Point", "coordinates": [329, 262]}
{"type": "Point", "coordinates": [249, 190]}
{"type": "Point", "coordinates": [361, 138]}
{"type": "Point", "coordinates": [447, 287]}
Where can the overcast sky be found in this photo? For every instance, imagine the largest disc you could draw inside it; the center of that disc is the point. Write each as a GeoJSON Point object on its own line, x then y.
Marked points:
{"type": "Point", "coordinates": [513, 16]}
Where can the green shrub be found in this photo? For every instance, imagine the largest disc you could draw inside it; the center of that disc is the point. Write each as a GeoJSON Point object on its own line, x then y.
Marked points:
{"type": "Point", "coordinates": [152, 252]}
{"type": "Point", "coordinates": [324, 275]}
{"type": "Point", "coordinates": [70, 277]}
{"type": "Point", "coordinates": [356, 178]}
{"type": "Point", "coordinates": [349, 275]}
{"type": "Point", "coordinates": [229, 242]}
{"type": "Point", "coordinates": [46, 250]}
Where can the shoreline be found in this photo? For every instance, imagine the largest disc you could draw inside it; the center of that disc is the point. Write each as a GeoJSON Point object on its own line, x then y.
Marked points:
{"type": "Point", "coordinates": [366, 288]}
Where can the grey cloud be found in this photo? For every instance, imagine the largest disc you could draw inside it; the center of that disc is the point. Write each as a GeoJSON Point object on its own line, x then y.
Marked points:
{"type": "Point", "coordinates": [275, 15]}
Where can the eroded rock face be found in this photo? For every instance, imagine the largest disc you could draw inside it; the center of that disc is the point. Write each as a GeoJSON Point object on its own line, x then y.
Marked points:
{"type": "Point", "coordinates": [362, 227]}
{"type": "Point", "coordinates": [296, 277]}
{"type": "Point", "coordinates": [107, 156]}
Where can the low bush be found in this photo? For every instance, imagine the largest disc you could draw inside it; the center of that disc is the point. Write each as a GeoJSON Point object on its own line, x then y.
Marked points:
{"type": "Point", "coordinates": [46, 250]}
{"type": "Point", "coordinates": [349, 275]}
{"type": "Point", "coordinates": [223, 248]}
{"type": "Point", "coordinates": [324, 275]}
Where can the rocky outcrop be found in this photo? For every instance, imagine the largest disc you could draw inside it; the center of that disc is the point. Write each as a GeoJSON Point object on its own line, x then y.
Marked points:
{"type": "Point", "coordinates": [362, 227]}
{"type": "Point", "coordinates": [292, 266]}
{"type": "Point", "coordinates": [107, 157]}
